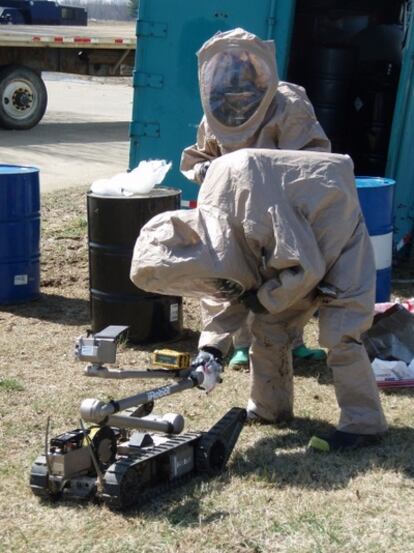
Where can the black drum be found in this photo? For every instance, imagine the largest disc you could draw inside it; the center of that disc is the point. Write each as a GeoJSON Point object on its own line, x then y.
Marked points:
{"type": "Point", "coordinates": [328, 86]}
{"type": "Point", "coordinates": [114, 223]}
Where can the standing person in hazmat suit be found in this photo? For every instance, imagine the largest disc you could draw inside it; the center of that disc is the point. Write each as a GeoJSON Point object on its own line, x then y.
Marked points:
{"type": "Point", "coordinates": [245, 105]}
{"type": "Point", "coordinates": [278, 234]}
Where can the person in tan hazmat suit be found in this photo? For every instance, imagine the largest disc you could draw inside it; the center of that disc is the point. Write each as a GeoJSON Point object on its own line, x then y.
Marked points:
{"type": "Point", "coordinates": [245, 105]}
{"type": "Point", "coordinates": [278, 234]}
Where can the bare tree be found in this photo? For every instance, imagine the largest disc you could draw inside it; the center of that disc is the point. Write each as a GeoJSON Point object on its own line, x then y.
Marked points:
{"type": "Point", "coordinates": [114, 10]}
{"type": "Point", "coordinates": [133, 8]}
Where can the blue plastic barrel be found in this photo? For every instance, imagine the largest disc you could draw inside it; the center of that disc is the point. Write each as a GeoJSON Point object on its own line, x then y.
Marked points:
{"type": "Point", "coordinates": [19, 234]}
{"type": "Point", "coordinates": [376, 196]}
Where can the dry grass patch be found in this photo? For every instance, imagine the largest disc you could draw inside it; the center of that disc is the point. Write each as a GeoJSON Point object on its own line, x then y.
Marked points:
{"type": "Point", "coordinates": [275, 496]}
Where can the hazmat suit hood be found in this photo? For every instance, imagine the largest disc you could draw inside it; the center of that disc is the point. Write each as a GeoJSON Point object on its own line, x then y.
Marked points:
{"type": "Point", "coordinates": [238, 81]}
{"type": "Point", "coordinates": [192, 253]}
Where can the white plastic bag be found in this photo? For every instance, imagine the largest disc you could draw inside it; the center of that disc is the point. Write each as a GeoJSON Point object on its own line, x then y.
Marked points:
{"type": "Point", "coordinates": [391, 370]}
{"type": "Point", "coordinates": [106, 187]}
{"type": "Point", "coordinates": [140, 180]}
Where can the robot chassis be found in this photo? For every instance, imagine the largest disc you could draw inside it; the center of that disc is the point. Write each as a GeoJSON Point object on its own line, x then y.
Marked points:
{"type": "Point", "coordinates": [127, 455]}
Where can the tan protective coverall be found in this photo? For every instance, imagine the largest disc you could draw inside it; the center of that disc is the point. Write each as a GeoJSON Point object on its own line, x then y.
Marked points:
{"type": "Point", "coordinates": [285, 120]}
{"type": "Point", "coordinates": [279, 222]}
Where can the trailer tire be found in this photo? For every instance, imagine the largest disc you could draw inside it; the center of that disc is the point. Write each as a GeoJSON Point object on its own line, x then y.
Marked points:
{"type": "Point", "coordinates": [23, 97]}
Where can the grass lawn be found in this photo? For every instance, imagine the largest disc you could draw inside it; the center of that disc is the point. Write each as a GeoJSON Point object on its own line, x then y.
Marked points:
{"type": "Point", "coordinates": [275, 496]}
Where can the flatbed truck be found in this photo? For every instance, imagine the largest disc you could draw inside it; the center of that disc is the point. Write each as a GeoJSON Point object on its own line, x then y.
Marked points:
{"type": "Point", "coordinates": [27, 50]}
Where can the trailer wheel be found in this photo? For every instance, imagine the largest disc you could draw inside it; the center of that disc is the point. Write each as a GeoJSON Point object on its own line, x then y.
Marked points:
{"type": "Point", "coordinates": [23, 97]}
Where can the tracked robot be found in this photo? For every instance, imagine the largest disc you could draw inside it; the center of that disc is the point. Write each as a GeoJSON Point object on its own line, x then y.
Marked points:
{"type": "Point", "coordinates": [122, 454]}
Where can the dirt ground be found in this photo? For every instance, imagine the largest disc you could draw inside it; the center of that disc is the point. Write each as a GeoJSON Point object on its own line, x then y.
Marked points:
{"type": "Point", "coordinates": [274, 497]}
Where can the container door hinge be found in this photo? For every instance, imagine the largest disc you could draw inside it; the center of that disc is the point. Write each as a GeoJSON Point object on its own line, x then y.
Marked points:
{"type": "Point", "coordinates": [150, 80]}
{"type": "Point", "coordinates": [139, 128]}
{"type": "Point", "coordinates": [151, 28]}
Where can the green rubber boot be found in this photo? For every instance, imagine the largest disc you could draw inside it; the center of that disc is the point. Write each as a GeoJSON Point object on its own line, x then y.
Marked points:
{"type": "Point", "coordinates": [240, 359]}
{"type": "Point", "coordinates": [339, 441]}
{"type": "Point", "coordinates": [303, 352]}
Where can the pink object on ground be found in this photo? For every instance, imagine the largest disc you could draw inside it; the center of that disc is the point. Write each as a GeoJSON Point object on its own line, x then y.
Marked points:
{"type": "Point", "coordinates": [382, 307]}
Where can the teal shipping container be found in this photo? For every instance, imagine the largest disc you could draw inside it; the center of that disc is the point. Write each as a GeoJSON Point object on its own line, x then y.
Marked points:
{"type": "Point", "coordinates": [354, 58]}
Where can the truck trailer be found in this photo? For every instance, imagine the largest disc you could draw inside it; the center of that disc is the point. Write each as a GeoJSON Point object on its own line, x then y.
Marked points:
{"type": "Point", "coordinates": [28, 50]}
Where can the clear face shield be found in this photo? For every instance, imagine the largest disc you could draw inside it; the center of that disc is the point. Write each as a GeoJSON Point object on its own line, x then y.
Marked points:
{"type": "Point", "coordinates": [234, 85]}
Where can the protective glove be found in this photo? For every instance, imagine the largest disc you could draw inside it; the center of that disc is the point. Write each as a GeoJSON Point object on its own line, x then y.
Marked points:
{"type": "Point", "coordinates": [210, 365]}
{"type": "Point", "coordinates": [227, 290]}
{"type": "Point", "coordinates": [326, 292]}
{"type": "Point", "coordinates": [250, 300]}
{"type": "Point", "coordinates": [201, 170]}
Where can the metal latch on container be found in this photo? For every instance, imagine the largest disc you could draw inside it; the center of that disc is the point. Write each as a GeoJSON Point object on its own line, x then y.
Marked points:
{"type": "Point", "coordinates": [139, 128]}
{"type": "Point", "coordinates": [151, 80]}
{"type": "Point", "coordinates": [151, 28]}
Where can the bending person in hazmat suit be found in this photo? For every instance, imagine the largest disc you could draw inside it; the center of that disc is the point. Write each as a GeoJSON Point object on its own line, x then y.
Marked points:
{"type": "Point", "coordinates": [245, 105]}
{"type": "Point", "coordinates": [278, 234]}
